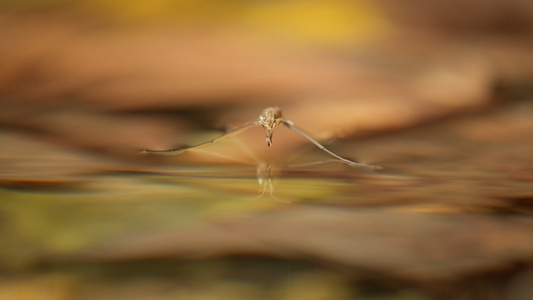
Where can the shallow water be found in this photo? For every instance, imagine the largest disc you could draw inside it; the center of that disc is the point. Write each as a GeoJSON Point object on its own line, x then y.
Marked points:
{"type": "Point", "coordinates": [452, 205]}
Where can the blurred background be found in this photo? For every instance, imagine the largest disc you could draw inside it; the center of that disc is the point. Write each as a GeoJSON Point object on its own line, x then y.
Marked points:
{"type": "Point", "coordinates": [438, 93]}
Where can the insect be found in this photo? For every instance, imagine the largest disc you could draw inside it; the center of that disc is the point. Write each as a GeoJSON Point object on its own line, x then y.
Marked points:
{"type": "Point", "coordinates": [269, 120]}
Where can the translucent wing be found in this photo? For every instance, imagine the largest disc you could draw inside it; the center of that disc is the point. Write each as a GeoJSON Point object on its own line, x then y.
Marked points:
{"type": "Point", "coordinates": [293, 127]}
{"type": "Point", "coordinates": [225, 135]}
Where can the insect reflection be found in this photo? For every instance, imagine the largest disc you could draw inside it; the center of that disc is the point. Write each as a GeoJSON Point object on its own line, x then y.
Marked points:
{"type": "Point", "coordinates": [269, 119]}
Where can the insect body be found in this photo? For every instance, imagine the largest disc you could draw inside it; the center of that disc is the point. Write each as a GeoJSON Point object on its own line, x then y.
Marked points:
{"type": "Point", "coordinates": [269, 119]}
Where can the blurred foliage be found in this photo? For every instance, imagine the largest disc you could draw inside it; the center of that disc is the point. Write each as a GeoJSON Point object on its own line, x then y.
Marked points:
{"type": "Point", "coordinates": [315, 21]}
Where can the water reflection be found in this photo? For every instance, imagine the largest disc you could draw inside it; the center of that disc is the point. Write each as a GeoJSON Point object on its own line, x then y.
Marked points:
{"type": "Point", "coordinates": [284, 183]}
